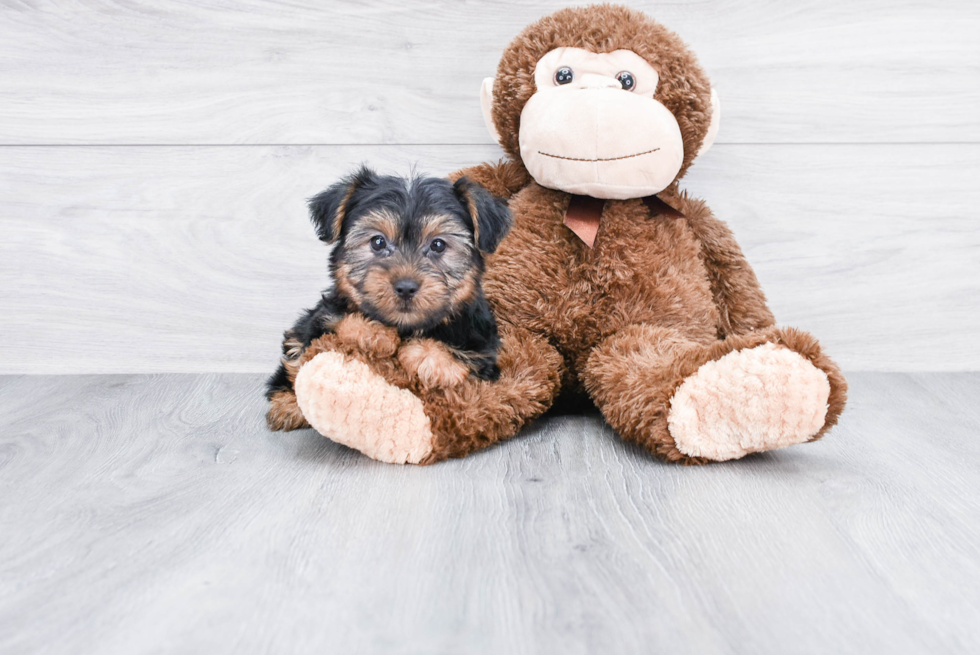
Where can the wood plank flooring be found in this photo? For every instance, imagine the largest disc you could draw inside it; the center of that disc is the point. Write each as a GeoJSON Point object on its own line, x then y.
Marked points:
{"type": "Point", "coordinates": [155, 513]}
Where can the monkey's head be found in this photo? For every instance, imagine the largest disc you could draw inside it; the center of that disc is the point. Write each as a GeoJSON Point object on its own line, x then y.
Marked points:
{"type": "Point", "coordinates": [601, 101]}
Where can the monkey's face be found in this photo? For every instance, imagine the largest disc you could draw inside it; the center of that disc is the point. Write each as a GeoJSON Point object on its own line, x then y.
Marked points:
{"type": "Point", "coordinates": [593, 126]}
{"type": "Point", "coordinates": [601, 101]}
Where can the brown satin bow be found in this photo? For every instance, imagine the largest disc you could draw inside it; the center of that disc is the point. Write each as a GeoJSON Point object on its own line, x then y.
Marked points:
{"type": "Point", "coordinates": [584, 212]}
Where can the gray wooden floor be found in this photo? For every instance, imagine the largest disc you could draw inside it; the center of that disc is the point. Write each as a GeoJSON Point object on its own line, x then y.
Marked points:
{"type": "Point", "coordinates": [155, 513]}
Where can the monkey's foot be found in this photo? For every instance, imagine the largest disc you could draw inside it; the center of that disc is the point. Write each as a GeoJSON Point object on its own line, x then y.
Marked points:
{"type": "Point", "coordinates": [348, 403]}
{"type": "Point", "coordinates": [748, 401]}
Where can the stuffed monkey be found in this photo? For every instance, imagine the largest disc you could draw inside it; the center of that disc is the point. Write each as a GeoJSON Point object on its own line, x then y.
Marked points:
{"type": "Point", "coordinates": [612, 280]}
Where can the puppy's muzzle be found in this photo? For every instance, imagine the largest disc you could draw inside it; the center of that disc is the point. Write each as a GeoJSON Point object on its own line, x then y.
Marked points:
{"type": "Point", "coordinates": [406, 288]}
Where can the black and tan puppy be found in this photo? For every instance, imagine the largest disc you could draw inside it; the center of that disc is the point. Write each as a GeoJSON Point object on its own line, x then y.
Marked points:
{"type": "Point", "coordinates": [409, 256]}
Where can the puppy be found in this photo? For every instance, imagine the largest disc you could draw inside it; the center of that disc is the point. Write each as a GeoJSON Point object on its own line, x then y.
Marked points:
{"type": "Point", "coordinates": [406, 267]}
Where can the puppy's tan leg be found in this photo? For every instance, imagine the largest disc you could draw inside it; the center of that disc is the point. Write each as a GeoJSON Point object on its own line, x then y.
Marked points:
{"type": "Point", "coordinates": [432, 362]}
{"type": "Point", "coordinates": [368, 336]}
{"type": "Point", "coordinates": [284, 413]}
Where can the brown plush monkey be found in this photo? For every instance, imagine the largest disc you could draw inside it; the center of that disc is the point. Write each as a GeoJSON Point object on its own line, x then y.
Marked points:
{"type": "Point", "coordinates": [612, 280]}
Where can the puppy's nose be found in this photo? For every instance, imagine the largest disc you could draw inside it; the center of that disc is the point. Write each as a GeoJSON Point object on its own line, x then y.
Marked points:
{"type": "Point", "coordinates": [406, 287]}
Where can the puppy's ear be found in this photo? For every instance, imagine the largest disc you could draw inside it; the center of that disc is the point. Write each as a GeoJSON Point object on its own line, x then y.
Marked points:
{"type": "Point", "coordinates": [329, 208]}
{"type": "Point", "coordinates": [490, 216]}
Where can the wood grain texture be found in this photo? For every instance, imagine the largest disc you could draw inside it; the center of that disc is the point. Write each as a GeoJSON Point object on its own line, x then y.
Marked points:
{"type": "Point", "coordinates": [396, 72]}
{"type": "Point", "coordinates": [157, 514]}
{"type": "Point", "coordinates": [149, 259]}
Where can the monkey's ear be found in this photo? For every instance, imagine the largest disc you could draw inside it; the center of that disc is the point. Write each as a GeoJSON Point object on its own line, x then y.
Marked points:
{"type": "Point", "coordinates": [486, 103]}
{"type": "Point", "coordinates": [709, 138]}
{"type": "Point", "coordinates": [329, 208]}
{"type": "Point", "coordinates": [490, 216]}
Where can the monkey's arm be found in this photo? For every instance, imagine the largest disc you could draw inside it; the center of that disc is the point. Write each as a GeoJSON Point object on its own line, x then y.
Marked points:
{"type": "Point", "coordinates": [740, 300]}
{"type": "Point", "coordinates": [503, 179]}
{"type": "Point", "coordinates": [327, 326]}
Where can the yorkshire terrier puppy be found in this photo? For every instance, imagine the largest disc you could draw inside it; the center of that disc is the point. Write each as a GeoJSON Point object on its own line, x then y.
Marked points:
{"type": "Point", "coordinates": [406, 268]}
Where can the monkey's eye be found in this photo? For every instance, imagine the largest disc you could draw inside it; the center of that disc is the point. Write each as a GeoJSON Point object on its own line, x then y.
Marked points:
{"type": "Point", "coordinates": [378, 243]}
{"type": "Point", "coordinates": [563, 75]}
{"type": "Point", "coordinates": [626, 79]}
{"type": "Point", "coordinates": [437, 246]}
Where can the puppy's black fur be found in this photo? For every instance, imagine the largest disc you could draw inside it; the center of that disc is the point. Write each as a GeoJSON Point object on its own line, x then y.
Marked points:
{"type": "Point", "coordinates": [408, 254]}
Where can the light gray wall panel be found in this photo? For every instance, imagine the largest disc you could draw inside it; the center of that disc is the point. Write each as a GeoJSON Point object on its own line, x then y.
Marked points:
{"type": "Point", "coordinates": [304, 72]}
{"type": "Point", "coordinates": [127, 259]}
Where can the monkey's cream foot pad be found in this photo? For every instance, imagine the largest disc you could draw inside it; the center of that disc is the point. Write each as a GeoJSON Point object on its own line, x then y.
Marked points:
{"type": "Point", "coordinates": [348, 403]}
{"type": "Point", "coordinates": [748, 401]}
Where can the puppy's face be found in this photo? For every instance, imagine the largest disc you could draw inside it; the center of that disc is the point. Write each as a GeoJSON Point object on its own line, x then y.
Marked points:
{"type": "Point", "coordinates": [408, 253]}
{"type": "Point", "coordinates": [408, 271]}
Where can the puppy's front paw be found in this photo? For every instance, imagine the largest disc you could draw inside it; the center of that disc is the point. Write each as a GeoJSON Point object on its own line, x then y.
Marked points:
{"type": "Point", "coordinates": [370, 337]}
{"type": "Point", "coordinates": [432, 363]}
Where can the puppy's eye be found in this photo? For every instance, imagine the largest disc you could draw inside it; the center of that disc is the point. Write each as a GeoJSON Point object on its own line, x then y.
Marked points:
{"type": "Point", "coordinates": [563, 75]}
{"type": "Point", "coordinates": [437, 246]}
{"type": "Point", "coordinates": [626, 79]}
{"type": "Point", "coordinates": [378, 243]}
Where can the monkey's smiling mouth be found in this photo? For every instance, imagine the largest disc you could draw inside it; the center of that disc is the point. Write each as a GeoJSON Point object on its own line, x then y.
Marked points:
{"type": "Point", "coordinates": [635, 154]}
